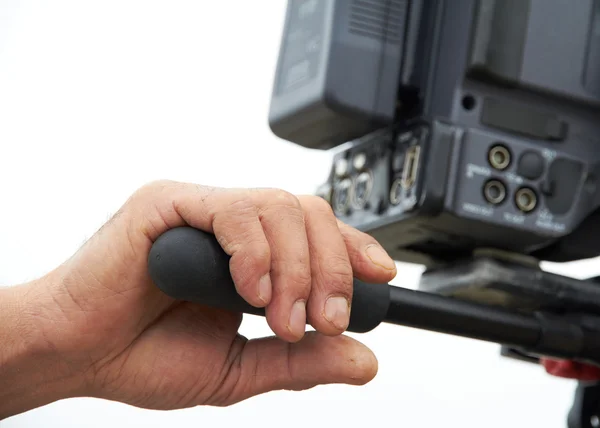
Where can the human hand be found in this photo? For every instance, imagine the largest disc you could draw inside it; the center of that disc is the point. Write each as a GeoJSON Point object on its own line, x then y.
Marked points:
{"type": "Point", "coordinates": [110, 333]}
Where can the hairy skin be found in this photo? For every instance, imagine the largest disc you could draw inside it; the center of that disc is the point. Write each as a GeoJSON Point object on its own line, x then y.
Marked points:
{"type": "Point", "coordinates": [96, 326]}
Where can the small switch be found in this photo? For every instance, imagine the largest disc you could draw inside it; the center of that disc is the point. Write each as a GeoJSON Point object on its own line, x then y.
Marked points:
{"type": "Point", "coordinates": [565, 176]}
{"type": "Point", "coordinates": [548, 187]}
{"type": "Point", "coordinates": [531, 165]}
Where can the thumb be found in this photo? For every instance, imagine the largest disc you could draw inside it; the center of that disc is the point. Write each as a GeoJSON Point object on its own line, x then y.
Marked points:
{"type": "Point", "coordinates": [270, 364]}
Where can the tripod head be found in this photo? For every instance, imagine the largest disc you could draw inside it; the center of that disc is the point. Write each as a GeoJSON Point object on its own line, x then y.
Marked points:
{"type": "Point", "coordinates": [466, 139]}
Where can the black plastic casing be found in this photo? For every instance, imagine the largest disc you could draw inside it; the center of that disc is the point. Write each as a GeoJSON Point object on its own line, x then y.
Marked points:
{"type": "Point", "coordinates": [337, 75]}
{"type": "Point", "coordinates": [521, 74]}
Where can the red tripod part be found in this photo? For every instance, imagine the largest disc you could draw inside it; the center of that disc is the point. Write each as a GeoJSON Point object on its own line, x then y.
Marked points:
{"type": "Point", "coordinates": [571, 370]}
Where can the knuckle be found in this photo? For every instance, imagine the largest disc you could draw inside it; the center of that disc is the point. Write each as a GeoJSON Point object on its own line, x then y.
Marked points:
{"type": "Point", "coordinates": [336, 275]}
{"type": "Point", "coordinates": [320, 205]}
{"type": "Point", "coordinates": [239, 213]}
{"type": "Point", "coordinates": [253, 256]}
{"type": "Point", "coordinates": [282, 197]}
{"type": "Point", "coordinates": [259, 251]}
{"type": "Point", "coordinates": [241, 203]}
{"type": "Point", "coordinates": [152, 191]}
{"type": "Point", "coordinates": [298, 277]}
{"type": "Point", "coordinates": [239, 206]}
{"type": "Point", "coordinates": [234, 238]}
{"type": "Point", "coordinates": [282, 205]}
{"type": "Point", "coordinates": [157, 186]}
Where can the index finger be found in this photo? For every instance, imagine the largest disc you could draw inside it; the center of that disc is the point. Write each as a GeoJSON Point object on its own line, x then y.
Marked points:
{"type": "Point", "coordinates": [370, 261]}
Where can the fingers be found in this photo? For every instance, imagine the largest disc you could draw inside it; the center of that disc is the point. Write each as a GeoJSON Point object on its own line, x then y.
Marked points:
{"type": "Point", "coordinates": [331, 286]}
{"type": "Point", "coordinates": [370, 262]}
{"type": "Point", "coordinates": [231, 215]}
{"type": "Point", "coordinates": [289, 255]}
{"type": "Point", "coordinates": [263, 230]}
{"type": "Point", "coordinates": [238, 229]}
{"type": "Point", "coordinates": [282, 219]}
{"type": "Point", "coordinates": [271, 364]}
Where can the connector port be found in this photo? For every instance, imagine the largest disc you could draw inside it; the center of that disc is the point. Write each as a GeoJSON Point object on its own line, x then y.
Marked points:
{"type": "Point", "coordinates": [396, 192]}
{"type": "Point", "coordinates": [494, 191]}
{"type": "Point", "coordinates": [526, 199]}
{"type": "Point", "coordinates": [411, 167]}
{"type": "Point", "coordinates": [342, 194]}
{"type": "Point", "coordinates": [362, 189]}
{"type": "Point", "coordinates": [499, 157]}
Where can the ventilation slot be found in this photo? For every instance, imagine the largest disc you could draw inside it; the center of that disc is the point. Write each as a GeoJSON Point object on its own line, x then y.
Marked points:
{"type": "Point", "coordinates": [379, 19]}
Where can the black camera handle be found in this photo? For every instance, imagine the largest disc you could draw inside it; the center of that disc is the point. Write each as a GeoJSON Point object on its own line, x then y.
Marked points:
{"type": "Point", "coordinates": [190, 265]}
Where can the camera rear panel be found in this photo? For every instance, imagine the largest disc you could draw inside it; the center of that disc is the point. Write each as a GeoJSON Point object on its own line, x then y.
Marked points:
{"type": "Point", "coordinates": [433, 193]}
{"type": "Point", "coordinates": [499, 156]}
{"type": "Point", "coordinates": [472, 123]}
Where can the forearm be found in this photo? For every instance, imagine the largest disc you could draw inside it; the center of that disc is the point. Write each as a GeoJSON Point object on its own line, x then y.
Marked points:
{"type": "Point", "coordinates": [31, 372]}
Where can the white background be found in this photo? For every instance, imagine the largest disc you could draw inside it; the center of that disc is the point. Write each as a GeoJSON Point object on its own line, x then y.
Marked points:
{"type": "Point", "coordinates": [97, 98]}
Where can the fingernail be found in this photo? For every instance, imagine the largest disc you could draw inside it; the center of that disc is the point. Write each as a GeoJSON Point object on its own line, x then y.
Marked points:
{"type": "Point", "coordinates": [379, 257]}
{"type": "Point", "coordinates": [265, 289]}
{"type": "Point", "coordinates": [297, 324]}
{"type": "Point", "coordinates": [337, 312]}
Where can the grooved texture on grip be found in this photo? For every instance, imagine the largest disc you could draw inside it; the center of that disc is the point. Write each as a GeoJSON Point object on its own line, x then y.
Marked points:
{"type": "Point", "coordinates": [190, 265]}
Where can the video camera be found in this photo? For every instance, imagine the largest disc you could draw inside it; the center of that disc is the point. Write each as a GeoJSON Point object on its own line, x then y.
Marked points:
{"type": "Point", "coordinates": [471, 124]}
{"type": "Point", "coordinates": [466, 136]}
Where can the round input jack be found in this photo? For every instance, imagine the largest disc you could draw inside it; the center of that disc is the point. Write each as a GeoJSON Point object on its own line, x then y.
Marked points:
{"type": "Point", "coordinates": [499, 157]}
{"type": "Point", "coordinates": [341, 197]}
{"type": "Point", "coordinates": [526, 199]}
{"type": "Point", "coordinates": [362, 189]}
{"type": "Point", "coordinates": [494, 192]}
{"type": "Point", "coordinates": [396, 192]}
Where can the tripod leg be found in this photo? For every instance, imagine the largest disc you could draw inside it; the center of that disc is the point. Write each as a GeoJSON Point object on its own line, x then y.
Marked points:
{"type": "Point", "coordinates": [585, 412]}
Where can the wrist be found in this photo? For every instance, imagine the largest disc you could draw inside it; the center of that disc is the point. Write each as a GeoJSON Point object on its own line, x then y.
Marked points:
{"type": "Point", "coordinates": [32, 372]}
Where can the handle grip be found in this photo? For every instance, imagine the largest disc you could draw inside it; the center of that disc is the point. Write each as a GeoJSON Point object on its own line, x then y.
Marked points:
{"type": "Point", "coordinates": [189, 264]}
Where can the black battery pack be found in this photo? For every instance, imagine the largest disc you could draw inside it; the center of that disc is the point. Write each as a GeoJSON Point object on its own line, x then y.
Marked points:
{"type": "Point", "coordinates": [339, 70]}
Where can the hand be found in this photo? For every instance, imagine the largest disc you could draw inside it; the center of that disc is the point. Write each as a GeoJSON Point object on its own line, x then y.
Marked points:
{"type": "Point", "coordinates": [110, 333]}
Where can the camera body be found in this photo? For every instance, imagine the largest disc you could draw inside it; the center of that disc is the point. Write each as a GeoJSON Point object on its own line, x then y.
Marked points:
{"type": "Point", "coordinates": [458, 125]}
{"type": "Point", "coordinates": [466, 138]}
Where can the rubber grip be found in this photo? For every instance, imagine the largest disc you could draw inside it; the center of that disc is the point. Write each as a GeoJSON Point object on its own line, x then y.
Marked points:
{"type": "Point", "coordinates": [190, 265]}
